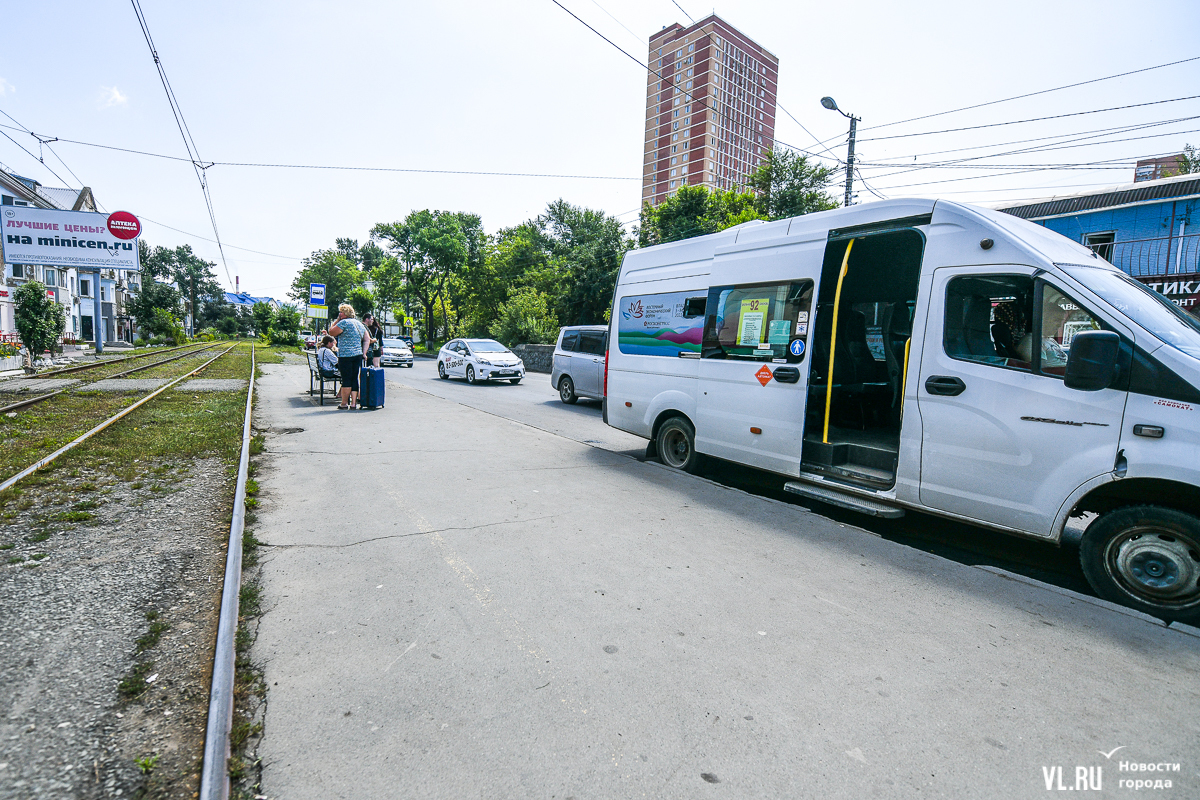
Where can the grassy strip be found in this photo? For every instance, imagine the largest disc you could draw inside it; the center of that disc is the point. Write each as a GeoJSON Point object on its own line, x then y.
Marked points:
{"type": "Point", "coordinates": [39, 430]}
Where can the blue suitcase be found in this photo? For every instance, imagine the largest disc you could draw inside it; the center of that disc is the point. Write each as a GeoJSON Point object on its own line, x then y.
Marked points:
{"type": "Point", "coordinates": [370, 387]}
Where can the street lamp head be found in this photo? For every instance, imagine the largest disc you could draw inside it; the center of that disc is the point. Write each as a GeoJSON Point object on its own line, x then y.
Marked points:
{"type": "Point", "coordinates": [830, 103]}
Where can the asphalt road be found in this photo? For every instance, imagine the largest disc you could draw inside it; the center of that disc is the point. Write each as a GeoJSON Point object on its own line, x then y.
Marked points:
{"type": "Point", "coordinates": [469, 603]}
{"type": "Point", "coordinates": [535, 402]}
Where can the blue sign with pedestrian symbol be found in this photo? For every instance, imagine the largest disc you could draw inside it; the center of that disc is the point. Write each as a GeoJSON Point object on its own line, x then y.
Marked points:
{"type": "Point", "coordinates": [797, 347]}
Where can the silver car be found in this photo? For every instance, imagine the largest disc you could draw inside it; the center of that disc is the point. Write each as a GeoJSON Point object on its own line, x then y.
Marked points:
{"type": "Point", "coordinates": [578, 369]}
{"type": "Point", "coordinates": [395, 351]}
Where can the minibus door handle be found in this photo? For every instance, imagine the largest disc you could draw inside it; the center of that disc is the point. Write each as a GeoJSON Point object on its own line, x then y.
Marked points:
{"type": "Point", "coordinates": [945, 385]}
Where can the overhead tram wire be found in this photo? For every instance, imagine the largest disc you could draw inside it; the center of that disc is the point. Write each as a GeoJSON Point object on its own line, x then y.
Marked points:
{"type": "Point", "coordinates": [44, 141]}
{"type": "Point", "coordinates": [189, 143]}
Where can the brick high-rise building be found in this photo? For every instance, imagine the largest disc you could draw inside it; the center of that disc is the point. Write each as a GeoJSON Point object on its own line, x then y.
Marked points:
{"type": "Point", "coordinates": [710, 117]}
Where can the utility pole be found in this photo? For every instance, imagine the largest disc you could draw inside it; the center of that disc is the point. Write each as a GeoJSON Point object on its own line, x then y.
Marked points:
{"type": "Point", "coordinates": [831, 104]}
{"type": "Point", "coordinates": [850, 162]}
{"type": "Point", "coordinates": [97, 313]}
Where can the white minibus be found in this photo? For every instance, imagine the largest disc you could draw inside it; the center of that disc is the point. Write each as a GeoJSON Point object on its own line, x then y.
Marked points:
{"type": "Point", "coordinates": [928, 355]}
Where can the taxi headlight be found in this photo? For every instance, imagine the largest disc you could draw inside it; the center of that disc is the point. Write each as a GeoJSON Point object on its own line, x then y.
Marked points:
{"type": "Point", "coordinates": [484, 361]}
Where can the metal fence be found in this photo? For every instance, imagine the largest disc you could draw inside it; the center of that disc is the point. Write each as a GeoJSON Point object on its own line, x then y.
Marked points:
{"type": "Point", "coordinates": [1166, 255]}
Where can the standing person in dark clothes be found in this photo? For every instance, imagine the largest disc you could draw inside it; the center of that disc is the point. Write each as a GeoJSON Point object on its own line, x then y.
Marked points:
{"type": "Point", "coordinates": [353, 341]}
{"type": "Point", "coordinates": [376, 332]}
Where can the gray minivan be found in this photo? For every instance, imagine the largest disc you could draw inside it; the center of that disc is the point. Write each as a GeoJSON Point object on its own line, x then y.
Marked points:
{"type": "Point", "coordinates": [578, 369]}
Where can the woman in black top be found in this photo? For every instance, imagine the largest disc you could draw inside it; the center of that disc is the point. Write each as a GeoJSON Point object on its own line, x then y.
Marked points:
{"type": "Point", "coordinates": [375, 330]}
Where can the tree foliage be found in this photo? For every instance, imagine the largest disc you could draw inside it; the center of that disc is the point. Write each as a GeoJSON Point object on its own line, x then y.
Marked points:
{"type": "Point", "coordinates": [695, 211]}
{"type": "Point", "coordinates": [264, 318]}
{"type": "Point", "coordinates": [1189, 161]}
{"type": "Point", "coordinates": [151, 297]}
{"type": "Point", "coordinates": [40, 321]}
{"type": "Point", "coordinates": [526, 318]}
{"type": "Point", "coordinates": [193, 275]}
{"type": "Point", "coordinates": [335, 269]}
{"type": "Point", "coordinates": [787, 185]}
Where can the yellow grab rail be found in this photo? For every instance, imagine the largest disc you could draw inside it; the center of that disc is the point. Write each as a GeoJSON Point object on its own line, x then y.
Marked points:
{"type": "Point", "coordinates": [904, 378]}
{"type": "Point", "coordinates": [837, 301]}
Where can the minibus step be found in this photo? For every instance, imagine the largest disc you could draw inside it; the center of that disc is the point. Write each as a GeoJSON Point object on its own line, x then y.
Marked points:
{"type": "Point", "coordinates": [836, 498]}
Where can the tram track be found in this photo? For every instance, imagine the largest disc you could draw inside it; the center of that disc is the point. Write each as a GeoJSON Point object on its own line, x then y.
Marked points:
{"type": "Point", "coordinates": [39, 464]}
{"type": "Point", "coordinates": [175, 608]}
{"type": "Point", "coordinates": [39, 398]}
{"type": "Point", "coordinates": [106, 362]}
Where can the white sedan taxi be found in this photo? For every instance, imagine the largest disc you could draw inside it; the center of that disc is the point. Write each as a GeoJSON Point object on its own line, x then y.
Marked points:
{"type": "Point", "coordinates": [395, 351]}
{"type": "Point", "coordinates": [479, 360]}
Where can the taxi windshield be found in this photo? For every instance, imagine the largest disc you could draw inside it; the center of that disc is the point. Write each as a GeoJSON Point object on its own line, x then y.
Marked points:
{"type": "Point", "coordinates": [1143, 305]}
{"type": "Point", "coordinates": [488, 346]}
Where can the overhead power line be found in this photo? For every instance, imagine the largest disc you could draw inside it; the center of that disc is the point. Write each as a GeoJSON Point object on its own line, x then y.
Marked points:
{"type": "Point", "coordinates": [189, 142]}
{"type": "Point", "coordinates": [1031, 119]}
{"type": "Point", "coordinates": [1032, 94]}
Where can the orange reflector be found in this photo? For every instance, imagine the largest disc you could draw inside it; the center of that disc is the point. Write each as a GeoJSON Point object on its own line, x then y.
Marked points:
{"type": "Point", "coordinates": [756, 430]}
{"type": "Point", "coordinates": [628, 404]}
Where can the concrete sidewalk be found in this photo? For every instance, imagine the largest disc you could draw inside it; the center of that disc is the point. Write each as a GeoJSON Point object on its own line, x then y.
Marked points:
{"type": "Point", "coordinates": [464, 606]}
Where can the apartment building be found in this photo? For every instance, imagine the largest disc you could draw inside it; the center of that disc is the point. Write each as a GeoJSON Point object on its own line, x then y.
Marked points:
{"type": "Point", "coordinates": [710, 108]}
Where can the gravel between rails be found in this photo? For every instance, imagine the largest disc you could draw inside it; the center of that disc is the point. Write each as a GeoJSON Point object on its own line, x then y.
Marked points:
{"type": "Point", "coordinates": [69, 631]}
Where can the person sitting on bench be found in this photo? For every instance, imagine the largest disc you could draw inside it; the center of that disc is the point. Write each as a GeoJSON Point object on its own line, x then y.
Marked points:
{"type": "Point", "coordinates": [327, 359]}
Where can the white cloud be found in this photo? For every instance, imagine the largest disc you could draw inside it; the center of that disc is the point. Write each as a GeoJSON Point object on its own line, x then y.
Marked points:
{"type": "Point", "coordinates": [6, 87]}
{"type": "Point", "coordinates": [111, 96]}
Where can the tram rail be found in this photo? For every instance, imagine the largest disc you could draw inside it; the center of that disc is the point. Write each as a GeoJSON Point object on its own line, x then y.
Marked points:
{"type": "Point", "coordinates": [106, 362]}
{"type": "Point", "coordinates": [39, 398]}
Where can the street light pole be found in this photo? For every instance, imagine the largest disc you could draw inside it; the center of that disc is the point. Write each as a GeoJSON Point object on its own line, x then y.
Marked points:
{"type": "Point", "coordinates": [831, 104]}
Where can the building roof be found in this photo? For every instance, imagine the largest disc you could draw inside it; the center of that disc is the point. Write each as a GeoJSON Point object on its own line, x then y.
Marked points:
{"type": "Point", "coordinates": [41, 196]}
{"type": "Point", "coordinates": [243, 299]}
{"type": "Point", "coordinates": [1177, 187]}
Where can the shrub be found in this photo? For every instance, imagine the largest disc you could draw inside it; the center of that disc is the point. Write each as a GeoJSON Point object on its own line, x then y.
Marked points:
{"type": "Point", "coordinates": [525, 318]}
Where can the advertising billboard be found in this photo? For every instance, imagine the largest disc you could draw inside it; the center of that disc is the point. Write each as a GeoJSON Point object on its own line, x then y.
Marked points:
{"type": "Point", "coordinates": [655, 325]}
{"type": "Point", "coordinates": [80, 239]}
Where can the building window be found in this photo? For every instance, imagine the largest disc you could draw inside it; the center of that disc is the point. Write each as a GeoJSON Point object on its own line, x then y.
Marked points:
{"type": "Point", "coordinates": [1101, 243]}
{"type": "Point", "coordinates": [51, 278]}
{"type": "Point", "coordinates": [18, 270]}
{"type": "Point", "coordinates": [85, 288]}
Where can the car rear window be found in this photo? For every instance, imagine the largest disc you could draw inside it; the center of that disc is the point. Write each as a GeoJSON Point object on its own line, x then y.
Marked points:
{"type": "Point", "coordinates": [570, 341]}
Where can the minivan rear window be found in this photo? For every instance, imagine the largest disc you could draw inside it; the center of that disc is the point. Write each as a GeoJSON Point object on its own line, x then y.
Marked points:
{"type": "Point", "coordinates": [569, 341]}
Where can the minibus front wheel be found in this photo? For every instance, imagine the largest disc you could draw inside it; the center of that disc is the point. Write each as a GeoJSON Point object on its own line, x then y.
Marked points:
{"type": "Point", "coordinates": [1147, 558]}
{"type": "Point", "coordinates": [677, 445]}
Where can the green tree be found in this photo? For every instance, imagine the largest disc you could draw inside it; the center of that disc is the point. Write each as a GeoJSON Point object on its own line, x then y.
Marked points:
{"type": "Point", "coordinates": [1189, 162]}
{"type": "Point", "coordinates": [153, 295]}
{"type": "Point", "coordinates": [333, 268]}
{"type": "Point", "coordinates": [788, 185]}
{"type": "Point", "coordinates": [388, 278]}
{"type": "Point", "coordinates": [585, 249]}
{"type": "Point", "coordinates": [433, 248]}
{"type": "Point", "coordinates": [286, 327]}
{"type": "Point", "coordinates": [362, 300]}
{"type": "Point", "coordinates": [526, 318]}
{"type": "Point", "coordinates": [695, 211]}
{"type": "Point", "coordinates": [264, 318]}
{"type": "Point", "coordinates": [40, 320]}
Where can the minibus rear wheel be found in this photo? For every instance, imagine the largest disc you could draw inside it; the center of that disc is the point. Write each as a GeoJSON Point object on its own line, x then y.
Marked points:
{"type": "Point", "coordinates": [1147, 558]}
{"type": "Point", "coordinates": [677, 445]}
{"type": "Point", "coordinates": [566, 391]}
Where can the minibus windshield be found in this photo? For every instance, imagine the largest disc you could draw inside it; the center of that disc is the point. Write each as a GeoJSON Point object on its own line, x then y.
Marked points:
{"type": "Point", "coordinates": [1143, 305]}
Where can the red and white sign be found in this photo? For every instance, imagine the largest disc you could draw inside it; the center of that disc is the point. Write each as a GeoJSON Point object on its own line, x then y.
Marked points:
{"type": "Point", "coordinates": [764, 375]}
{"type": "Point", "coordinates": [124, 225]}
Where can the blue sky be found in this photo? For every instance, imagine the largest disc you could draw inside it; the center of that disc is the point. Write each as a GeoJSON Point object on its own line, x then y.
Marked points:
{"type": "Point", "coordinates": [523, 87]}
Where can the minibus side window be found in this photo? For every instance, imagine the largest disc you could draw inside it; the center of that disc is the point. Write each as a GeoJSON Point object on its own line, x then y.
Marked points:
{"type": "Point", "coordinates": [758, 322]}
{"type": "Point", "coordinates": [989, 320]}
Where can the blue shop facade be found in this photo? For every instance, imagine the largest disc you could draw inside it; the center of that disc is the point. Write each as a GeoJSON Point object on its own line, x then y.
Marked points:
{"type": "Point", "coordinates": [1148, 229]}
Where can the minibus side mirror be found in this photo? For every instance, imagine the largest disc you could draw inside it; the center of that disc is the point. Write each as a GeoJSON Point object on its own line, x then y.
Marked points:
{"type": "Point", "coordinates": [1092, 361]}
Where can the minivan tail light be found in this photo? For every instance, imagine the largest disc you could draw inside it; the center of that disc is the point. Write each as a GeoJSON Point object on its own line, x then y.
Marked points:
{"type": "Point", "coordinates": [606, 372]}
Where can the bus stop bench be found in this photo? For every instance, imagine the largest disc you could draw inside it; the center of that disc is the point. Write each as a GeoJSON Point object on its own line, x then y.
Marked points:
{"type": "Point", "coordinates": [317, 378]}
